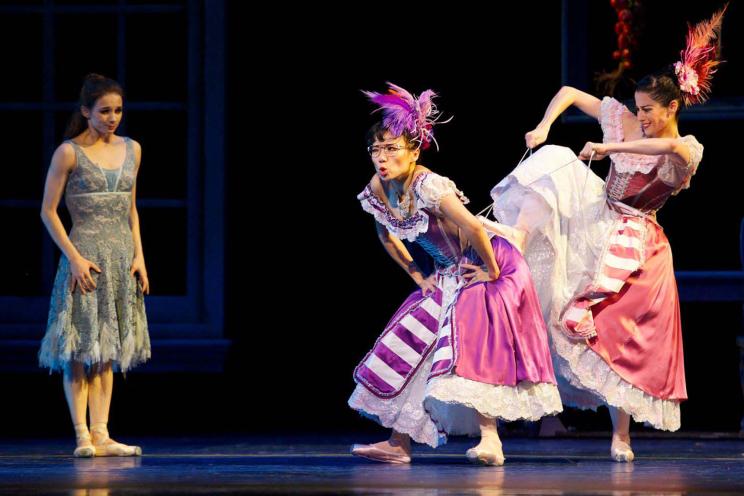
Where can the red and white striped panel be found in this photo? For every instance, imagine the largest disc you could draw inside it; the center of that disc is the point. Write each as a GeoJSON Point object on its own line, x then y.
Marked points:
{"type": "Point", "coordinates": [623, 257]}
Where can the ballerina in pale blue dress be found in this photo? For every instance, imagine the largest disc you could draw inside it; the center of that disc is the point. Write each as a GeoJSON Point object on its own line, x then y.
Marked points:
{"type": "Point", "coordinates": [97, 317]}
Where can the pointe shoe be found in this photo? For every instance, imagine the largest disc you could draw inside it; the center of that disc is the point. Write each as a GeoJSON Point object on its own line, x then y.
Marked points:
{"type": "Point", "coordinates": [105, 446]}
{"type": "Point", "coordinates": [112, 448]}
{"type": "Point", "coordinates": [85, 448]}
{"type": "Point", "coordinates": [479, 456]}
{"type": "Point", "coordinates": [620, 451]}
{"type": "Point", "coordinates": [84, 452]}
{"type": "Point", "coordinates": [372, 452]}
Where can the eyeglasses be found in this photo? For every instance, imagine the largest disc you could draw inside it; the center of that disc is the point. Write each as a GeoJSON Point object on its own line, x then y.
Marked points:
{"type": "Point", "coordinates": [376, 150]}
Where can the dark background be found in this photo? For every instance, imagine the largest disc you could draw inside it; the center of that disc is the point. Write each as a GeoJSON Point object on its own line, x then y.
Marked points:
{"type": "Point", "coordinates": [495, 71]}
{"type": "Point", "coordinates": [308, 287]}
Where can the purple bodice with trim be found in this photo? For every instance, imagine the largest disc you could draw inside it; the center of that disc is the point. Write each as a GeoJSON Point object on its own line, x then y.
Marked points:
{"type": "Point", "coordinates": [437, 236]}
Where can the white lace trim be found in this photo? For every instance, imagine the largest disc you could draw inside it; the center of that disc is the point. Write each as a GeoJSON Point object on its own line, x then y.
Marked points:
{"type": "Point", "coordinates": [583, 368]}
{"type": "Point", "coordinates": [405, 413]}
{"type": "Point", "coordinates": [611, 112]}
{"type": "Point", "coordinates": [408, 229]}
{"type": "Point", "coordinates": [611, 119]}
{"type": "Point", "coordinates": [431, 188]}
{"type": "Point", "coordinates": [696, 150]}
{"type": "Point", "coordinates": [679, 176]}
{"type": "Point", "coordinates": [635, 163]}
{"type": "Point", "coordinates": [453, 402]}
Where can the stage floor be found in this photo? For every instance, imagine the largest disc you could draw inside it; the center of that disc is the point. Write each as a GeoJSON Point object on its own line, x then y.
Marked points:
{"type": "Point", "coordinates": [310, 465]}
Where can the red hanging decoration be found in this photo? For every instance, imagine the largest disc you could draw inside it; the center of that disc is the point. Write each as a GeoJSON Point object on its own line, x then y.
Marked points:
{"type": "Point", "coordinates": [626, 29]}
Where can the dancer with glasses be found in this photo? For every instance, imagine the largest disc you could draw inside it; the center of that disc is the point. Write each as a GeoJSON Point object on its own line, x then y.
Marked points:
{"type": "Point", "coordinates": [469, 346]}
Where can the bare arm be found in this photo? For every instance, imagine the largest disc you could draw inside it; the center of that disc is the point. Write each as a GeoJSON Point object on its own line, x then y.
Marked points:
{"type": "Point", "coordinates": [133, 214]}
{"type": "Point", "coordinates": [398, 252]}
{"type": "Point", "coordinates": [565, 97]}
{"type": "Point", "coordinates": [453, 209]}
{"type": "Point", "coordinates": [138, 261]}
{"type": "Point", "coordinates": [648, 146]}
{"type": "Point", "coordinates": [63, 162]}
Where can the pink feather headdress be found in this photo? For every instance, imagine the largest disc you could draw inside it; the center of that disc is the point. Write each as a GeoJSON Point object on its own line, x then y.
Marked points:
{"type": "Point", "coordinates": [699, 59]}
{"type": "Point", "coordinates": [403, 112]}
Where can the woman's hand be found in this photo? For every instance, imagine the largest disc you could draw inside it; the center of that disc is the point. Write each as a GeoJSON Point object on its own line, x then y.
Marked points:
{"type": "Point", "coordinates": [81, 276]}
{"type": "Point", "coordinates": [537, 136]}
{"type": "Point", "coordinates": [428, 285]}
{"type": "Point", "coordinates": [138, 268]}
{"type": "Point", "coordinates": [600, 151]}
{"type": "Point", "coordinates": [477, 274]}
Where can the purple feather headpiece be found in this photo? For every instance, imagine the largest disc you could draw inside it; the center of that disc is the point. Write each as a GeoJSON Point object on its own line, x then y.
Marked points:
{"type": "Point", "coordinates": [403, 112]}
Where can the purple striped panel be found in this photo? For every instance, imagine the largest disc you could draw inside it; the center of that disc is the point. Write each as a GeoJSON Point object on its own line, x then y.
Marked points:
{"type": "Point", "coordinates": [426, 319]}
{"type": "Point", "coordinates": [410, 339]}
{"type": "Point", "coordinates": [372, 381]}
{"type": "Point", "coordinates": [440, 367]}
{"type": "Point", "coordinates": [392, 359]}
{"type": "Point", "coordinates": [443, 342]}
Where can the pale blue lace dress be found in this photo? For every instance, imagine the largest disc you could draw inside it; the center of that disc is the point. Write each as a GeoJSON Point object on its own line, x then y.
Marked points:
{"type": "Point", "coordinates": [109, 323]}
